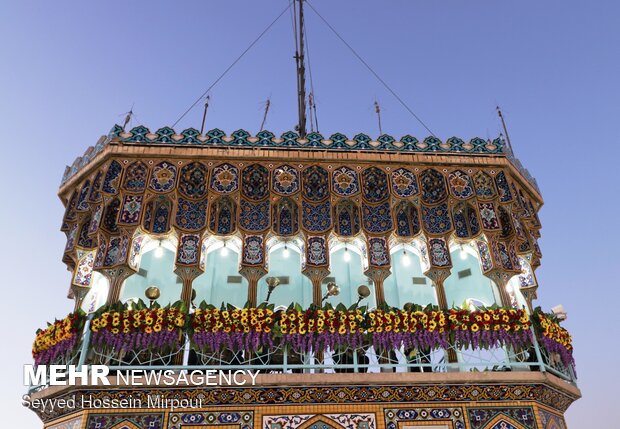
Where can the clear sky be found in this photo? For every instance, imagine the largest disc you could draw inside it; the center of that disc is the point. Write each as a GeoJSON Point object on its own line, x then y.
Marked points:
{"type": "Point", "coordinates": [70, 69]}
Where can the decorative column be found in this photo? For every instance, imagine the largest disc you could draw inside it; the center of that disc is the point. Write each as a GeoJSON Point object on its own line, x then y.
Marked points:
{"type": "Point", "coordinates": [112, 261]}
{"type": "Point", "coordinates": [379, 264]}
{"type": "Point", "coordinates": [439, 269]}
{"type": "Point", "coordinates": [315, 264]}
{"type": "Point", "coordinates": [187, 264]}
{"type": "Point", "coordinates": [499, 263]}
{"type": "Point", "coordinates": [253, 264]}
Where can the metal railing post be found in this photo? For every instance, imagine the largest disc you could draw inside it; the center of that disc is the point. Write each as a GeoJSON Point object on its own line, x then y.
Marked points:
{"type": "Point", "coordinates": [85, 341]}
{"type": "Point", "coordinates": [539, 358]}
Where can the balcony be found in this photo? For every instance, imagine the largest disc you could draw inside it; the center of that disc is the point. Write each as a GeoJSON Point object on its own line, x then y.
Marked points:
{"type": "Point", "coordinates": [310, 341]}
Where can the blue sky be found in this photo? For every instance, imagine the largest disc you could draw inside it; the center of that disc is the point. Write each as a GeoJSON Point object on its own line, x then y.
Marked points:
{"type": "Point", "coordinates": [69, 70]}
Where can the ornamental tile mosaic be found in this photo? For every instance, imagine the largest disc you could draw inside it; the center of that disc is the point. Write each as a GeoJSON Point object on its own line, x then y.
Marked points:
{"type": "Point", "coordinates": [84, 272]}
{"type": "Point", "coordinates": [110, 215]}
{"type": "Point", "coordinates": [253, 250]}
{"type": "Point", "coordinates": [163, 177]}
{"type": "Point", "coordinates": [439, 252]}
{"type": "Point", "coordinates": [254, 216]}
{"type": "Point", "coordinates": [404, 183]}
{"type": "Point", "coordinates": [396, 418]}
{"type": "Point", "coordinates": [225, 179]}
{"type": "Point", "coordinates": [255, 182]}
{"type": "Point", "coordinates": [377, 219]}
{"type": "Point", "coordinates": [479, 417]}
{"type": "Point", "coordinates": [551, 421]}
{"type": "Point", "coordinates": [74, 423]}
{"type": "Point", "coordinates": [82, 201]}
{"type": "Point", "coordinates": [223, 216]}
{"type": "Point", "coordinates": [461, 185]}
{"type": "Point", "coordinates": [433, 186]}
{"type": "Point", "coordinates": [526, 278]}
{"type": "Point", "coordinates": [316, 217]}
{"type": "Point", "coordinates": [84, 240]}
{"type": "Point", "coordinates": [189, 249]}
{"type": "Point", "coordinates": [95, 189]}
{"type": "Point", "coordinates": [193, 180]}
{"type": "Point", "coordinates": [135, 177]}
{"type": "Point", "coordinates": [347, 219]}
{"type": "Point", "coordinates": [485, 189]}
{"type": "Point", "coordinates": [485, 256]}
{"type": "Point", "coordinates": [505, 195]}
{"type": "Point", "coordinates": [345, 182]}
{"type": "Point", "coordinates": [315, 183]}
{"type": "Point", "coordinates": [70, 214]}
{"type": "Point", "coordinates": [130, 213]}
{"type": "Point", "coordinates": [505, 221]}
{"type": "Point", "coordinates": [436, 220]}
{"type": "Point", "coordinates": [133, 421]}
{"type": "Point", "coordinates": [378, 252]}
{"type": "Point", "coordinates": [504, 256]}
{"type": "Point", "coordinates": [112, 178]}
{"type": "Point", "coordinates": [95, 220]}
{"type": "Point", "coordinates": [316, 252]}
{"type": "Point", "coordinates": [407, 220]}
{"type": "Point", "coordinates": [374, 185]}
{"type": "Point", "coordinates": [191, 215]}
{"type": "Point", "coordinates": [285, 180]}
{"type": "Point", "coordinates": [286, 217]}
{"type": "Point", "coordinates": [488, 216]}
{"type": "Point", "coordinates": [160, 213]}
{"type": "Point", "coordinates": [208, 419]}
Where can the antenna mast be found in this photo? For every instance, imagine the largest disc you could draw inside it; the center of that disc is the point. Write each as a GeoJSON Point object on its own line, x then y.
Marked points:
{"type": "Point", "coordinates": [499, 112]}
{"type": "Point", "coordinates": [301, 68]}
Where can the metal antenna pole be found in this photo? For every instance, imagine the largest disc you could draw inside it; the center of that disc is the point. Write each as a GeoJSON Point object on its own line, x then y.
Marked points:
{"type": "Point", "coordinates": [301, 73]}
{"type": "Point", "coordinates": [378, 111]}
{"type": "Point", "coordinates": [262, 124]}
{"type": "Point", "coordinates": [499, 112]}
{"type": "Point", "coordinates": [204, 114]}
{"type": "Point", "coordinates": [310, 116]}
{"type": "Point", "coordinates": [128, 117]}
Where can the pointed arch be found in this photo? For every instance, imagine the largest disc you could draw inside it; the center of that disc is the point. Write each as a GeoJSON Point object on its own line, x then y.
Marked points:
{"type": "Point", "coordinates": [407, 220]}
{"type": "Point", "coordinates": [84, 240]}
{"type": "Point", "coordinates": [110, 215]}
{"type": "Point", "coordinates": [158, 215]}
{"type": "Point", "coordinates": [223, 216]}
{"type": "Point", "coordinates": [466, 224]}
{"type": "Point", "coordinates": [485, 188]}
{"type": "Point", "coordinates": [285, 217]}
{"type": "Point", "coordinates": [505, 221]}
{"type": "Point", "coordinates": [136, 177]}
{"type": "Point", "coordinates": [347, 218]}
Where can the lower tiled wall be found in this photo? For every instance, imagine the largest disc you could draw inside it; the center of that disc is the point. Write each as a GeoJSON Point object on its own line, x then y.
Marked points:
{"type": "Point", "coordinates": [457, 415]}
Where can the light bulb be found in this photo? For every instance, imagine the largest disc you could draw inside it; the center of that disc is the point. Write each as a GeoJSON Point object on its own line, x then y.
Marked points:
{"type": "Point", "coordinates": [159, 251]}
{"type": "Point", "coordinates": [347, 255]}
{"type": "Point", "coordinates": [286, 252]}
{"type": "Point", "coordinates": [224, 251]}
{"type": "Point", "coordinates": [406, 260]}
{"type": "Point", "coordinates": [463, 253]}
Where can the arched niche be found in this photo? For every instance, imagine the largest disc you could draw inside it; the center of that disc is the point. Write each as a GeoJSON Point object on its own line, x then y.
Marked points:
{"type": "Point", "coordinates": [347, 265]}
{"type": "Point", "coordinates": [156, 268]}
{"type": "Point", "coordinates": [524, 280]}
{"type": "Point", "coordinates": [466, 281]}
{"type": "Point", "coordinates": [97, 294]}
{"type": "Point", "coordinates": [285, 263]}
{"type": "Point", "coordinates": [407, 283]}
{"type": "Point", "coordinates": [221, 282]}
